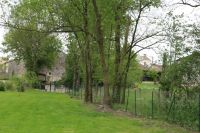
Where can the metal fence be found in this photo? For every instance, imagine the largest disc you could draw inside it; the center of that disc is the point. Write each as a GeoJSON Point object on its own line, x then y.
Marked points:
{"type": "Point", "coordinates": [177, 107]}
{"type": "Point", "coordinates": [180, 108]}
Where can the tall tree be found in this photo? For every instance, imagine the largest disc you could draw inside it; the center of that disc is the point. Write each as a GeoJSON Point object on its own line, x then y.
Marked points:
{"type": "Point", "coordinates": [37, 50]}
{"type": "Point", "coordinates": [100, 41]}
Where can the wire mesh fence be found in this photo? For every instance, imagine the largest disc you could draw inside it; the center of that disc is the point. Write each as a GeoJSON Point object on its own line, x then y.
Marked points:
{"type": "Point", "coordinates": [176, 107]}
{"type": "Point", "coordinates": [182, 108]}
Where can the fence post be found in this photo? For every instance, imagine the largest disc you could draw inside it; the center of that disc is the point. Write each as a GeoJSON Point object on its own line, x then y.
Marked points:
{"type": "Point", "coordinates": [174, 110]}
{"type": "Point", "coordinates": [81, 92]}
{"type": "Point", "coordinates": [100, 93]}
{"type": "Point", "coordinates": [50, 86]}
{"type": "Point", "coordinates": [159, 100]}
{"type": "Point", "coordinates": [135, 102]}
{"type": "Point", "coordinates": [199, 111]}
{"type": "Point", "coordinates": [152, 105]}
{"type": "Point", "coordinates": [127, 102]}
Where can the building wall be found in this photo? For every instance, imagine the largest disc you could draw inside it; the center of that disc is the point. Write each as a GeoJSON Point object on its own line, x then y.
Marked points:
{"type": "Point", "coordinates": [56, 72]}
{"type": "Point", "coordinates": [144, 60]}
{"type": "Point", "coordinates": [16, 68]}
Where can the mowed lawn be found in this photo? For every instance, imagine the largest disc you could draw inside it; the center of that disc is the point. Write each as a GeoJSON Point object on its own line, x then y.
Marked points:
{"type": "Point", "coordinates": [38, 112]}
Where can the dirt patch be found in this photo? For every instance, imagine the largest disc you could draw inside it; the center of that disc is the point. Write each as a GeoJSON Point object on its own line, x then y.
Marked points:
{"type": "Point", "coordinates": [102, 108]}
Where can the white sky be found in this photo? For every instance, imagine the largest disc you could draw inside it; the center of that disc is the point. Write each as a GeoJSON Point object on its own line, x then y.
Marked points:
{"type": "Point", "coordinates": [190, 15]}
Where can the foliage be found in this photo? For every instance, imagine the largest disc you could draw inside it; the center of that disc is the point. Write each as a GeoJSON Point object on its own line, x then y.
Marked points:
{"type": "Point", "coordinates": [2, 86]}
{"type": "Point", "coordinates": [21, 83]}
{"type": "Point", "coordinates": [95, 30]}
{"type": "Point", "coordinates": [183, 75]}
{"type": "Point", "coordinates": [153, 75]}
{"type": "Point", "coordinates": [73, 64]}
{"type": "Point", "coordinates": [31, 79]}
{"type": "Point", "coordinates": [58, 83]}
{"type": "Point", "coordinates": [135, 73]}
{"type": "Point", "coordinates": [9, 85]}
{"type": "Point", "coordinates": [181, 110]}
{"type": "Point", "coordinates": [35, 49]}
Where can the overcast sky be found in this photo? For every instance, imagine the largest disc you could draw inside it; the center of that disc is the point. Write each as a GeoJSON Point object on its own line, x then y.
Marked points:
{"type": "Point", "coordinates": [190, 15]}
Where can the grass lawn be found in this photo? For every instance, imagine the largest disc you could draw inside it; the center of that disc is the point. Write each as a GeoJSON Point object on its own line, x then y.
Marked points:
{"type": "Point", "coordinates": [148, 85]}
{"type": "Point", "coordinates": [144, 98]}
{"type": "Point", "coordinates": [37, 112]}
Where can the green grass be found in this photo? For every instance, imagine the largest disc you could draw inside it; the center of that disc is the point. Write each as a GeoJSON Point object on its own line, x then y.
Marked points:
{"type": "Point", "coordinates": [37, 112]}
{"type": "Point", "coordinates": [183, 113]}
{"type": "Point", "coordinates": [148, 85]}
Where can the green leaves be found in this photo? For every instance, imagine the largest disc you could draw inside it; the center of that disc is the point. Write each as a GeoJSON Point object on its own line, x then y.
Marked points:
{"type": "Point", "coordinates": [184, 74]}
{"type": "Point", "coordinates": [35, 49]}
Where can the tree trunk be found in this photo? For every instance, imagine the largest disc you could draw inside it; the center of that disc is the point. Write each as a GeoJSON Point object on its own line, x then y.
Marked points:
{"type": "Point", "coordinates": [88, 89]}
{"type": "Point", "coordinates": [117, 76]}
{"type": "Point", "coordinates": [125, 73]}
{"type": "Point", "coordinates": [100, 41]}
{"type": "Point", "coordinates": [125, 79]}
{"type": "Point", "coordinates": [74, 79]}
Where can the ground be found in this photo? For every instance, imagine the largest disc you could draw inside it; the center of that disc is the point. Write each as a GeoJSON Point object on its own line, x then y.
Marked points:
{"type": "Point", "coordinates": [39, 112]}
{"type": "Point", "coordinates": [149, 85]}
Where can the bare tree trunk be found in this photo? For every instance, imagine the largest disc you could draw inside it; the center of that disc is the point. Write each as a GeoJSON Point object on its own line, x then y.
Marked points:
{"type": "Point", "coordinates": [100, 41]}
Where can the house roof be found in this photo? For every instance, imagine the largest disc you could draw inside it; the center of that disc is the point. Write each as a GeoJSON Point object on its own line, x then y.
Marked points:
{"type": "Point", "coordinates": [156, 67]}
{"type": "Point", "coordinates": [143, 57]}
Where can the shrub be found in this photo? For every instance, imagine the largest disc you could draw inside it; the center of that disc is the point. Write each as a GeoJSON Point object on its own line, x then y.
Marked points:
{"type": "Point", "coordinates": [58, 83]}
{"type": "Point", "coordinates": [28, 80]}
{"type": "Point", "coordinates": [31, 80]}
{"type": "Point", "coordinates": [8, 85]}
{"type": "Point", "coordinates": [18, 84]}
{"type": "Point", "coordinates": [2, 86]}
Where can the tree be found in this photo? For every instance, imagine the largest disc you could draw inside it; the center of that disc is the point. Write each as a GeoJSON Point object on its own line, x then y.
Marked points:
{"type": "Point", "coordinates": [183, 75]}
{"type": "Point", "coordinates": [37, 50]}
{"type": "Point", "coordinates": [78, 19]}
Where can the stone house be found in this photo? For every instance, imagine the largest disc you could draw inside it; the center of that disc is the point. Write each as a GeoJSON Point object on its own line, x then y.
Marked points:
{"type": "Point", "coordinates": [146, 64]}
{"type": "Point", "coordinates": [144, 60]}
{"type": "Point", "coordinates": [14, 67]}
{"type": "Point", "coordinates": [57, 71]}
{"type": "Point", "coordinates": [3, 68]}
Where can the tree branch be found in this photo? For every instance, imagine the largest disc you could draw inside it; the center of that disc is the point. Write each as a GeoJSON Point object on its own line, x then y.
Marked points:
{"type": "Point", "coordinates": [184, 2]}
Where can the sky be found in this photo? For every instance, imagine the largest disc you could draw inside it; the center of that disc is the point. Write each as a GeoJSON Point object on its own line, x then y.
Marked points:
{"type": "Point", "coordinates": [190, 15]}
{"type": "Point", "coordinates": [2, 31]}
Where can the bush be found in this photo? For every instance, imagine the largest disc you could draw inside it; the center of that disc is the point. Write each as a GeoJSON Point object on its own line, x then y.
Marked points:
{"type": "Point", "coordinates": [8, 85]}
{"type": "Point", "coordinates": [18, 84]}
{"type": "Point", "coordinates": [2, 86]}
{"type": "Point", "coordinates": [28, 80]}
{"type": "Point", "coordinates": [31, 80]}
{"type": "Point", "coordinates": [58, 83]}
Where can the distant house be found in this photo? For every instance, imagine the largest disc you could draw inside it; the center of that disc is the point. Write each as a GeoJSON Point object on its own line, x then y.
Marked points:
{"type": "Point", "coordinates": [146, 64]}
{"type": "Point", "coordinates": [3, 68]}
{"type": "Point", "coordinates": [57, 71]}
{"type": "Point", "coordinates": [144, 61]}
{"type": "Point", "coordinates": [13, 67]}
{"type": "Point", "coordinates": [156, 67]}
